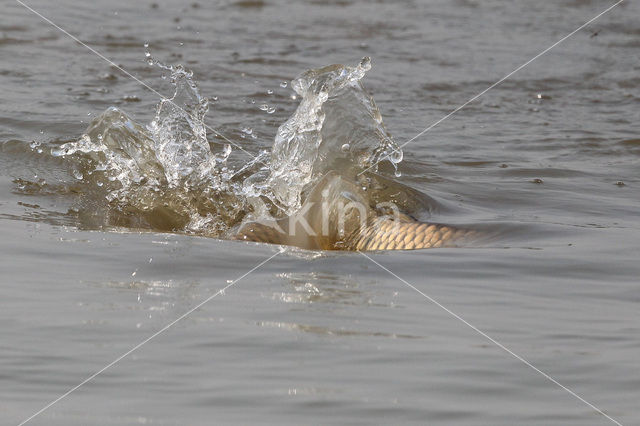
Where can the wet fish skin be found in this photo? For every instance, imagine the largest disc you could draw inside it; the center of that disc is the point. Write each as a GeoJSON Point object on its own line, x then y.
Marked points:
{"type": "Point", "coordinates": [387, 234]}
{"type": "Point", "coordinates": [376, 232]}
{"type": "Point", "coordinates": [382, 234]}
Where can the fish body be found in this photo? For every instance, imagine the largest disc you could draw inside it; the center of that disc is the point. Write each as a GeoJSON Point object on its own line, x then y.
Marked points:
{"type": "Point", "coordinates": [338, 214]}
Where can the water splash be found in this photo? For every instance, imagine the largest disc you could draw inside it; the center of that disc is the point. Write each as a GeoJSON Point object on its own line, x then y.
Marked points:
{"type": "Point", "coordinates": [166, 168]}
{"type": "Point", "coordinates": [334, 112]}
{"type": "Point", "coordinates": [165, 175]}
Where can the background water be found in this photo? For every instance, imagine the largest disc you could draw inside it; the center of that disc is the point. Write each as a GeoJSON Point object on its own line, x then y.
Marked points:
{"type": "Point", "coordinates": [332, 338]}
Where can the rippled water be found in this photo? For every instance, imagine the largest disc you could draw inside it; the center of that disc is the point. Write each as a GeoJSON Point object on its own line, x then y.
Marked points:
{"type": "Point", "coordinates": [550, 158]}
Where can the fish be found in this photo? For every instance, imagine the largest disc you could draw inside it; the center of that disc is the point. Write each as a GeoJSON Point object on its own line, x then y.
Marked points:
{"type": "Point", "coordinates": [340, 214]}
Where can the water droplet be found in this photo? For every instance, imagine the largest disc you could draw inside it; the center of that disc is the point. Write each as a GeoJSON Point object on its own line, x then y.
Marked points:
{"type": "Point", "coordinates": [269, 92]}
{"type": "Point", "coordinates": [77, 174]}
{"type": "Point", "coordinates": [271, 110]}
{"type": "Point", "coordinates": [365, 63]}
{"type": "Point", "coordinates": [396, 156]}
{"type": "Point", "coordinates": [620, 183]}
{"type": "Point", "coordinates": [146, 45]}
{"type": "Point", "coordinates": [150, 61]}
{"type": "Point", "coordinates": [247, 130]}
{"type": "Point", "coordinates": [294, 97]}
{"type": "Point", "coordinates": [264, 107]}
{"type": "Point", "coordinates": [537, 180]}
{"type": "Point", "coordinates": [398, 173]}
{"type": "Point", "coordinates": [283, 84]}
{"type": "Point", "coordinates": [346, 147]}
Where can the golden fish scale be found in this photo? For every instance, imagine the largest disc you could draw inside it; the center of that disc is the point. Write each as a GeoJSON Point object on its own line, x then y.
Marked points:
{"type": "Point", "coordinates": [382, 234]}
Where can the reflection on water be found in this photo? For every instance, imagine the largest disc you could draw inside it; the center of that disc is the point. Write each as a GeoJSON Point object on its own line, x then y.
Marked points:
{"type": "Point", "coordinates": [330, 292]}
{"type": "Point", "coordinates": [317, 287]}
{"type": "Point", "coordinates": [333, 332]}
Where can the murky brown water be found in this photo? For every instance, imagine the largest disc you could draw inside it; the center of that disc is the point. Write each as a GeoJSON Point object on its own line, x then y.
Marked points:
{"type": "Point", "coordinates": [550, 158]}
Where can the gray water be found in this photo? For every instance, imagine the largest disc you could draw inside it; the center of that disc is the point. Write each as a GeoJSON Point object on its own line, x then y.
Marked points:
{"type": "Point", "coordinates": [551, 157]}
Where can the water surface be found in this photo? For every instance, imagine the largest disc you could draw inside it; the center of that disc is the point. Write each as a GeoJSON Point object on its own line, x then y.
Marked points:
{"type": "Point", "coordinates": [551, 157]}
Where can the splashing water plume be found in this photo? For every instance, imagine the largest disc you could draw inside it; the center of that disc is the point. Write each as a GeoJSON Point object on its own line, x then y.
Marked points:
{"type": "Point", "coordinates": [337, 126]}
{"type": "Point", "coordinates": [168, 176]}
